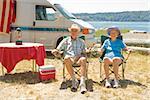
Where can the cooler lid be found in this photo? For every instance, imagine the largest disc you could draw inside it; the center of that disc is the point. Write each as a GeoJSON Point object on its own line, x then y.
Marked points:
{"type": "Point", "coordinates": [46, 67]}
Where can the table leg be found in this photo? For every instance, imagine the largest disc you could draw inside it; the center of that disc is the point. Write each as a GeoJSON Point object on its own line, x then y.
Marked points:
{"type": "Point", "coordinates": [33, 64]}
{"type": "Point", "coordinates": [3, 71]}
{"type": "Point", "coordinates": [34, 67]}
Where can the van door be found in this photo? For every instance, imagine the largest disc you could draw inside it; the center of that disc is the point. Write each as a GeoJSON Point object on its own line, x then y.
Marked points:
{"type": "Point", "coordinates": [47, 25]}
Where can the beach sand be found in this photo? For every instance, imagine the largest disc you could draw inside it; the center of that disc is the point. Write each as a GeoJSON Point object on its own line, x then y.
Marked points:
{"type": "Point", "coordinates": [137, 38]}
{"type": "Point", "coordinates": [23, 84]}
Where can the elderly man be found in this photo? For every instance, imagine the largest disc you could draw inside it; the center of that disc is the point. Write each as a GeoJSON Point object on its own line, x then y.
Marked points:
{"type": "Point", "coordinates": [73, 48]}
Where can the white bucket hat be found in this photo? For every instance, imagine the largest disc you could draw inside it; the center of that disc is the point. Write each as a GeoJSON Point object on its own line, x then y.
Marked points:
{"type": "Point", "coordinates": [74, 26]}
{"type": "Point", "coordinates": [113, 28]}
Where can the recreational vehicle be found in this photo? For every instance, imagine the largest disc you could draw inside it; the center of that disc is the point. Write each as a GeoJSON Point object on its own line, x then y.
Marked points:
{"type": "Point", "coordinates": [43, 22]}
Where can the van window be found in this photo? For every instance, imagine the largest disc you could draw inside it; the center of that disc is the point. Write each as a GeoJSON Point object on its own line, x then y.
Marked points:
{"type": "Point", "coordinates": [64, 12]}
{"type": "Point", "coordinates": [45, 13]}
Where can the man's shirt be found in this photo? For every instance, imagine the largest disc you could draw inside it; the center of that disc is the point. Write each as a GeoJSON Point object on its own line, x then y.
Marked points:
{"type": "Point", "coordinates": [71, 47]}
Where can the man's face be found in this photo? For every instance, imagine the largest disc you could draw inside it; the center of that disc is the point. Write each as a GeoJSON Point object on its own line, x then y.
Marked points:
{"type": "Point", "coordinates": [74, 32]}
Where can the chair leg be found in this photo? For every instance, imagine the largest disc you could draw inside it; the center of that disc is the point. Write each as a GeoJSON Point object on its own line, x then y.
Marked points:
{"type": "Point", "coordinates": [64, 82]}
{"type": "Point", "coordinates": [64, 77]}
{"type": "Point", "coordinates": [123, 70]}
{"type": "Point", "coordinates": [77, 71]}
{"type": "Point", "coordinates": [101, 78]}
{"type": "Point", "coordinates": [87, 71]}
{"type": "Point", "coordinates": [100, 70]}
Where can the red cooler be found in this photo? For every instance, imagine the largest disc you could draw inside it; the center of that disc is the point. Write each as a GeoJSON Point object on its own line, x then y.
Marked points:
{"type": "Point", "coordinates": [47, 72]}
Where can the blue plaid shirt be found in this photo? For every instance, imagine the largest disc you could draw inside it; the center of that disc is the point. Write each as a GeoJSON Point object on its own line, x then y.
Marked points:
{"type": "Point", "coordinates": [72, 48]}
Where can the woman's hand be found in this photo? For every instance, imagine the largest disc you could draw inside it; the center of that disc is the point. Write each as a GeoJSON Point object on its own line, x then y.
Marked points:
{"type": "Point", "coordinates": [128, 50]}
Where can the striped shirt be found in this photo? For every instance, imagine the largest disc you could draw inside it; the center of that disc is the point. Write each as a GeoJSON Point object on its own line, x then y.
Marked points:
{"type": "Point", "coordinates": [72, 48]}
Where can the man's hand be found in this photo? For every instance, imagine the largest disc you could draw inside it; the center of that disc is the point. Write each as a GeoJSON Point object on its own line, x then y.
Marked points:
{"type": "Point", "coordinates": [100, 51]}
{"type": "Point", "coordinates": [56, 53]}
{"type": "Point", "coordinates": [88, 50]}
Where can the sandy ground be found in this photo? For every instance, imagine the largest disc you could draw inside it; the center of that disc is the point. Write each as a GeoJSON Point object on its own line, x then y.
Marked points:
{"type": "Point", "coordinates": [22, 84]}
{"type": "Point", "coordinates": [136, 35]}
{"type": "Point", "coordinates": [137, 38]}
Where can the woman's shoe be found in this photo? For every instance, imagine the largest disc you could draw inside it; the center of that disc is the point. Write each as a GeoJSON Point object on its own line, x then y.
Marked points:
{"type": "Point", "coordinates": [74, 86]}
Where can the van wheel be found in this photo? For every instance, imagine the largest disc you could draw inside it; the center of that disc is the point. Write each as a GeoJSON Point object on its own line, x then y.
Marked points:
{"type": "Point", "coordinates": [58, 41]}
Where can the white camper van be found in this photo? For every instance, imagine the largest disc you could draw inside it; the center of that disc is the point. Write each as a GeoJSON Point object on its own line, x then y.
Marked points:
{"type": "Point", "coordinates": [43, 22]}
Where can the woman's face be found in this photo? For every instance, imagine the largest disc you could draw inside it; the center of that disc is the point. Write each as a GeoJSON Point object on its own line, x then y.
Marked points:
{"type": "Point", "coordinates": [114, 34]}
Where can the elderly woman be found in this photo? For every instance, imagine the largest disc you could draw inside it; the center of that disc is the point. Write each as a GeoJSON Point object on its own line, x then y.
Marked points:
{"type": "Point", "coordinates": [113, 56]}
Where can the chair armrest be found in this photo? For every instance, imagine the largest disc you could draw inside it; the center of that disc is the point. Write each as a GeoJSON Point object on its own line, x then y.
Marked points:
{"type": "Point", "coordinates": [128, 54]}
{"type": "Point", "coordinates": [100, 60]}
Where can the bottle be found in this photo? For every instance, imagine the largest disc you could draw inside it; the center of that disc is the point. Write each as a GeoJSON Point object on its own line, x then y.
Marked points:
{"type": "Point", "coordinates": [19, 35]}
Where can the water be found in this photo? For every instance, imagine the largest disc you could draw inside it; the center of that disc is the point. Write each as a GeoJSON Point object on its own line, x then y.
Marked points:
{"type": "Point", "coordinates": [142, 26]}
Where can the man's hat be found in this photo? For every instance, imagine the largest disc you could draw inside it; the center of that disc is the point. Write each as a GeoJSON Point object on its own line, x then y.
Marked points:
{"type": "Point", "coordinates": [74, 26]}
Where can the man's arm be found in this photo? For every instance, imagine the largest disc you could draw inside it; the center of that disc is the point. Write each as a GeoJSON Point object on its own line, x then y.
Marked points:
{"type": "Point", "coordinates": [56, 52]}
{"type": "Point", "coordinates": [61, 45]}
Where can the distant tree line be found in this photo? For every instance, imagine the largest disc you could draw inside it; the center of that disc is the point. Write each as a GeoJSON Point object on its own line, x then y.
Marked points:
{"type": "Point", "coordinates": [116, 16]}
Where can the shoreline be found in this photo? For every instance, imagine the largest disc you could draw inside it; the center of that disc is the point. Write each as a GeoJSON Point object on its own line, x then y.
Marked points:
{"type": "Point", "coordinates": [137, 39]}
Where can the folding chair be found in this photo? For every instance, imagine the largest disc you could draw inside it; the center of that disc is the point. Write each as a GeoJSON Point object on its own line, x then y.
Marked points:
{"type": "Point", "coordinates": [76, 68]}
{"type": "Point", "coordinates": [123, 64]}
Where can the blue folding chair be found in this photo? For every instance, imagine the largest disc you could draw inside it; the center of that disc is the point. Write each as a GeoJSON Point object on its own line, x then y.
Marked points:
{"type": "Point", "coordinates": [123, 64]}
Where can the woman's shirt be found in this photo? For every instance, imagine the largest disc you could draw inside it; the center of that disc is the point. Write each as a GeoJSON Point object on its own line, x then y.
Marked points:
{"type": "Point", "coordinates": [113, 48]}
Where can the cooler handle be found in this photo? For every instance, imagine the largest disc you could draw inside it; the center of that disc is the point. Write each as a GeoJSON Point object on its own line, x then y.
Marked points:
{"type": "Point", "coordinates": [47, 73]}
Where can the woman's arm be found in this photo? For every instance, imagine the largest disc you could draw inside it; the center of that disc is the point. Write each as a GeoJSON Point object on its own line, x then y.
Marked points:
{"type": "Point", "coordinates": [103, 47]}
{"type": "Point", "coordinates": [125, 48]}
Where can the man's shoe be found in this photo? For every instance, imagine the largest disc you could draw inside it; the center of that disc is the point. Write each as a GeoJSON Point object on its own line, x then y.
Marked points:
{"type": "Point", "coordinates": [107, 83]}
{"type": "Point", "coordinates": [74, 86]}
{"type": "Point", "coordinates": [116, 84]}
{"type": "Point", "coordinates": [83, 88]}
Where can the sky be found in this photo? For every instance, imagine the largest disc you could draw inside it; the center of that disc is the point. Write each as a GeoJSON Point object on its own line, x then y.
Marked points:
{"type": "Point", "coordinates": [93, 6]}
